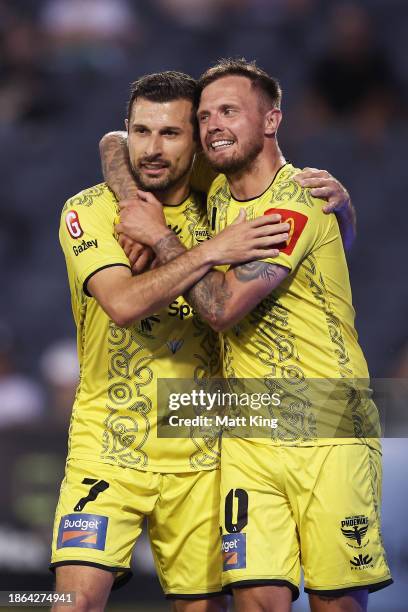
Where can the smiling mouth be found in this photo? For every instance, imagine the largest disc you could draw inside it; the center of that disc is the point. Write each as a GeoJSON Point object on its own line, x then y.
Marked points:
{"type": "Point", "coordinates": [217, 145]}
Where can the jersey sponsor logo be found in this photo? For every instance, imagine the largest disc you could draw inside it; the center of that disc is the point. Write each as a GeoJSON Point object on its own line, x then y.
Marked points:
{"type": "Point", "coordinates": [82, 531]}
{"type": "Point", "coordinates": [146, 325]}
{"type": "Point", "coordinates": [182, 311]}
{"type": "Point", "coordinates": [361, 562]}
{"type": "Point", "coordinates": [234, 551]}
{"type": "Point", "coordinates": [174, 345]}
{"type": "Point", "coordinates": [201, 234]}
{"type": "Point", "coordinates": [176, 229]}
{"type": "Point", "coordinates": [85, 244]}
{"type": "Point", "coordinates": [73, 225]}
{"type": "Point", "coordinates": [297, 222]}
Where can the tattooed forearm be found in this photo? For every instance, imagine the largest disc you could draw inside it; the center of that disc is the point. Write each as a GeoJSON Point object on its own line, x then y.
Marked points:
{"type": "Point", "coordinates": [116, 165]}
{"type": "Point", "coordinates": [256, 269]}
{"type": "Point", "coordinates": [168, 248]}
{"type": "Point", "coordinates": [209, 296]}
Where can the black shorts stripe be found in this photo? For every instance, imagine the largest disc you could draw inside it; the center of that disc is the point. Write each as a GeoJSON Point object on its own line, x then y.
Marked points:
{"type": "Point", "coordinates": [340, 592]}
{"type": "Point", "coordinates": [263, 582]}
{"type": "Point", "coordinates": [119, 582]}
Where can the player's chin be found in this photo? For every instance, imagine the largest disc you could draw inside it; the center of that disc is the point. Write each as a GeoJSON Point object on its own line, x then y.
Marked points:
{"type": "Point", "coordinates": [153, 183]}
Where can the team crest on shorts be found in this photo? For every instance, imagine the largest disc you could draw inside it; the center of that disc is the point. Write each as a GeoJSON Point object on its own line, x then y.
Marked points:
{"type": "Point", "coordinates": [355, 528]}
{"type": "Point", "coordinates": [234, 551]}
{"type": "Point", "coordinates": [82, 531]}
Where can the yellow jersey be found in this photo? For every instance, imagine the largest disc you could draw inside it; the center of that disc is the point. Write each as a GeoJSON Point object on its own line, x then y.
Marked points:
{"type": "Point", "coordinates": [114, 418]}
{"type": "Point", "coordinates": [303, 331]}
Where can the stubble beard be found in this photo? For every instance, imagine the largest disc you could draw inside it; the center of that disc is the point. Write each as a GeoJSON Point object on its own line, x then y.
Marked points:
{"type": "Point", "coordinates": [240, 162]}
{"type": "Point", "coordinates": [159, 185]}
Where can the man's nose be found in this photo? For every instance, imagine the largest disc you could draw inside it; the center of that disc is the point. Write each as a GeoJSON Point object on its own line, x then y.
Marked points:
{"type": "Point", "coordinates": [214, 124]}
{"type": "Point", "coordinates": [153, 146]}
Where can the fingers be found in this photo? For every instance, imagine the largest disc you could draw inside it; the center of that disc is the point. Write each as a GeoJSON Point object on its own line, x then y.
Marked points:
{"type": "Point", "coordinates": [334, 204]}
{"type": "Point", "coordinates": [142, 261]}
{"type": "Point", "coordinates": [241, 216]}
{"type": "Point", "coordinates": [263, 254]}
{"type": "Point", "coordinates": [134, 254]}
{"type": "Point", "coordinates": [321, 192]}
{"type": "Point", "coordinates": [271, 230]}
{"type": "Point", "coordinates": [264, 220]}
{"type": "Point", "coordinates": [311, 173]}
{"type": "Point", "coordinates": [315, 181]}
{"type": "Point", "coordinates": [270, 241]}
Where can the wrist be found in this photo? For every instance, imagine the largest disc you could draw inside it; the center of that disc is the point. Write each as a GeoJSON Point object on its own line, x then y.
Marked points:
{"type": "Point", "coordinates": [157, 236]}
{"type": "Point", "coordinates": [207, 253]}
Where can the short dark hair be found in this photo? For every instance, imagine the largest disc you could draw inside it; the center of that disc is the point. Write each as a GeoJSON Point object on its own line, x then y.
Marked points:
{"type": "Point", "coordinates": [268, 86]}
{"type": "Point", "coordinates": [165, 87]}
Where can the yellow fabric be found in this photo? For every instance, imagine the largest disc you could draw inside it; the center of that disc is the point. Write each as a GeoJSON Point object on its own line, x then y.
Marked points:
{"type": "Point", "coordinates": [300, 499]}
{"type": "Point", "coordinates": [115, 413]}
{"type": "Point", "coordinates": [304, 329]}
{"type": "Point", "coordinates": [183, 530]}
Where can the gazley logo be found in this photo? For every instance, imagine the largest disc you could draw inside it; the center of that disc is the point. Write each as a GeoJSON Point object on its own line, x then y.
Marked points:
{"type": "Point", "coordinates": [234, 551]}
{"type": "Point", "coordinates": [297, 222]}
{"type": "Point", "coordinates": [73, 225]}
{"type": "Point", "coordinates": [82, 531]}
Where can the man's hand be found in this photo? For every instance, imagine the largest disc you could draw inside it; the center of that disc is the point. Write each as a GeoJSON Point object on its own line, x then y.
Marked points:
{"type": "Point", "coordinates": [245, 241]}
{"type": "Point", "coordinates": [142, 219]}
{"type": "Point", "coordinates": [324, 185]}
{"type": "Point", "coordinates": [140, 256]}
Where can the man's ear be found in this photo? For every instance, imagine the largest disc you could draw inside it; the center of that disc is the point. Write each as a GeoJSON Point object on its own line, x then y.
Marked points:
{"type": "Point", "coordinates": [127, 125]}
{"type": "Point", "coordinates": [272, 121]}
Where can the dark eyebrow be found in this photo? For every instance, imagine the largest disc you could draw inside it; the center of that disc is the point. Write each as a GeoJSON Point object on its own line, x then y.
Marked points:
{"type": "Point", "coordinates": [170, 128]}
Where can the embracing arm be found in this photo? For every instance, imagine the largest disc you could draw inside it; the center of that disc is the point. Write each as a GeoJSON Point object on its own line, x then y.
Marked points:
{"type": "Point", "coordinates": [116, 165]}
{"type": "Point", "coordinates": [222, 300]}
{"type": "Point", "coordinates": [323, 185]}
{"type": "Point", "coordinates": [126, 298]}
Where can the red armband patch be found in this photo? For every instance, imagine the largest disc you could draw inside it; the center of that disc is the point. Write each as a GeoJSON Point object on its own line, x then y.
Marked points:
{"type": "Point", "coordinates": [73, 225]}
{"type": "Point", "coordinates": [297, 223]}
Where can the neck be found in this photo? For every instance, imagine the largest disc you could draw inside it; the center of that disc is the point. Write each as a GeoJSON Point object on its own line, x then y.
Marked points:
{"type": "Point", "coordinates": [255, 179]}
{"type": "Point", "coordinates": [175, 195]}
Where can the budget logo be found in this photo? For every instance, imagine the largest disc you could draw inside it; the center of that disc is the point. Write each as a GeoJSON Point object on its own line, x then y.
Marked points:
{"type": "Point", "coordinates": [82, 531]}
{"type": "Point", "coordinates": [234, 551]}
{"type": "Point", "coordinates": [296, 221]}
{"type": "Point", "coordinates": [73, 225]}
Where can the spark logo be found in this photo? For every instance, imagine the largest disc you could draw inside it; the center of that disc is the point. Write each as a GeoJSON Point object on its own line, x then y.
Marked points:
{"type": "Point", "coordinates": [297, 222]}
{"type": "Point", "coordinates": [234, 551]}
{"type": "Point", "coordinates": [73, 225]}
{"type": "Point", "coordinates": [82, 531]}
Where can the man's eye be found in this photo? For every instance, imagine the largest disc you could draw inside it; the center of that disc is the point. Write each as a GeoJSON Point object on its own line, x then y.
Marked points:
{"type": "Point", "coordinates": [140, 130]}
{"type": "Point", "coordinates": [203, 118]}
{"type": "Point", "coordinates": [229, 111]}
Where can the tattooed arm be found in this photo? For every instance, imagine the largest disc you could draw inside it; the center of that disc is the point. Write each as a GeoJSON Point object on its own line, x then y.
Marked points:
{"type": "Point", "coordinates": [221, 299]}
{"type": "Point", "coordinates": [224, 299]}
{"type": "Point", "coordinates": [116, 166]}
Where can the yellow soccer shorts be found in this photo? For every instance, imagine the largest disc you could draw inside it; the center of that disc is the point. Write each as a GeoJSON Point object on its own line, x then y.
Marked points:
{"type": "Point", "coordinates": [316, 507]}
{"type": "Point", "coordinates": [99, 518]}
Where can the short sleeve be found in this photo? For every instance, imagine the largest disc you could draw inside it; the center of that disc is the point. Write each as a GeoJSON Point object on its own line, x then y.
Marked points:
{"type": "Point", "coordinates": [309, 229]}
{"type": "Point", "coordinates": [88, 239]}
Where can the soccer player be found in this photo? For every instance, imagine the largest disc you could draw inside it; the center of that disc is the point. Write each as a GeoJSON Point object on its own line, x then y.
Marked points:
{"type": "Point", "coordinates": [303, 500]}
{"type": "Point", "coordinates": [132, 330]}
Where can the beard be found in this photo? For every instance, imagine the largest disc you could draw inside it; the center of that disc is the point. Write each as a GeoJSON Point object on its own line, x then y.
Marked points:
{"type": "Point", "coordinates": [159, 184]}
{"type": "Point", "coordinates": [240, 161]}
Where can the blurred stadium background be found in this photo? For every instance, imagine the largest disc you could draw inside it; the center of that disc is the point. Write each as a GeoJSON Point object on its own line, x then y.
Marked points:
{"type": "Point", "coordinates": [65, 69]}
